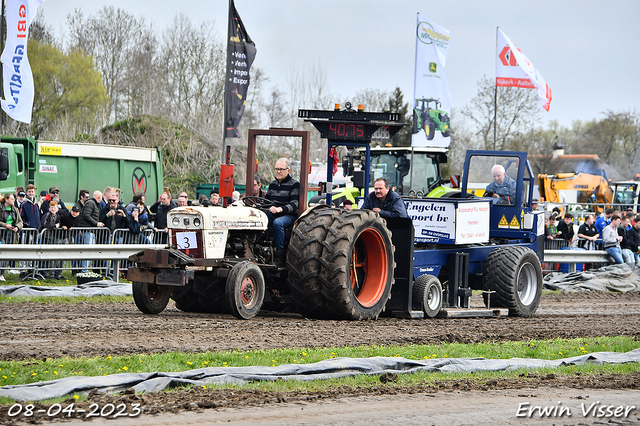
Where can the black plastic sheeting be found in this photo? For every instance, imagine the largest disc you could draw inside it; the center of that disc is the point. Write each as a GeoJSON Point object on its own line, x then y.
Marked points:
{"type": "Point", "coordinates": [327, 369]}
{"type": "Point", "coordinates": [619, 278]}
{"type": "Point", "coordinates": [96, 288]}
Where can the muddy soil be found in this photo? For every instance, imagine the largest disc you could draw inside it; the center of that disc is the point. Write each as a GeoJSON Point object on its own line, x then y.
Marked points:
{"type": "Point", "coordinates": [39, 330]}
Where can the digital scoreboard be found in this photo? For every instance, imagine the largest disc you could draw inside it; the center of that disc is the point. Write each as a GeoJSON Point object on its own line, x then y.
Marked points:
{"type": "Point", "coordinates": [353, 125]}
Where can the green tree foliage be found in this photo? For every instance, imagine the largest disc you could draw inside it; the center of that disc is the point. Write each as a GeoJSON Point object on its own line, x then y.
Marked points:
{"type": "Point", "coordinates": [67, 88]}
{"type": "Point", "coordinates": [615, 139]}
{"type": "Point", "coordinates": [397, 104]}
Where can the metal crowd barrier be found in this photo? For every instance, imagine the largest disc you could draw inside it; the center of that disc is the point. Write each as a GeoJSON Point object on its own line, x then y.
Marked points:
{"type": "Point", "coordinates": [68, 243]}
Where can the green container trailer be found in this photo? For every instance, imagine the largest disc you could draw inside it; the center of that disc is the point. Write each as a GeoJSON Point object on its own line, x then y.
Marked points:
{"type": "Point", "coordinates": [74, 166]}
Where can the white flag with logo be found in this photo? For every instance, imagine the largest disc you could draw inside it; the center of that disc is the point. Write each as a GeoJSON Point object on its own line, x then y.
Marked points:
{"type": "Point", "coordinates": [431, 91]}
{"type": "Point", "coordinates": [514, 69]}
{"type": "Point", "coordinates": [17, 76]}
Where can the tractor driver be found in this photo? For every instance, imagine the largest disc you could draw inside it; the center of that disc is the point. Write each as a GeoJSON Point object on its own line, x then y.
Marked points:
{"type": "Point", "coordinates": [502, 187]}
{"type": "Point", "coordinates": [386, 203]}
{"type": "Point", "coordinates": [285, 191]}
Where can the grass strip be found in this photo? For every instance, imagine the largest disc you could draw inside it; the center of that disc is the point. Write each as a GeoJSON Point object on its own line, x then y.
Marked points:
{"type": "Point", "coordinates": [31, 371]}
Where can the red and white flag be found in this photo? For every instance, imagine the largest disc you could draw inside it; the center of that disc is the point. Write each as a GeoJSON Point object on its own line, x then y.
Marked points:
{"type": "Point", "coordinates": [514, 69]}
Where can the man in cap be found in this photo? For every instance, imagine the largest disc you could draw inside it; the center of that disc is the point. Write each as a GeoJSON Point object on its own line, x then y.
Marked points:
{"type": "Point", "coordinates": [54, 195]}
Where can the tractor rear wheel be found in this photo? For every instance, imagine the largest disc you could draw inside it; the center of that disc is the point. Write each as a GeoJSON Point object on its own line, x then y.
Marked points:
{"type": "Point", "coordinates": [245, 289]}
{"type": "Point", "coordinates": [430, 128]}
{"type": "Point", "coordinates": [427, 295]}
{"type": "Point", "coordinates": [357, 266]}
{"type": "Point", "coordinates": [185, 298]}
{"type": "Point", "coordinates": [210, 293]}
{"type": "Point", "coordinates": [150, 298]}
{"type": "Point", "coordinates": [303, 261]}
{"type": "Point", "coordinates": [515, 275]}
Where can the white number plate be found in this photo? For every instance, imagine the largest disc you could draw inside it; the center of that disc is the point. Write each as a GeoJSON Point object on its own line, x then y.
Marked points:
{"type": "Point", "coordinates": [186, 240]}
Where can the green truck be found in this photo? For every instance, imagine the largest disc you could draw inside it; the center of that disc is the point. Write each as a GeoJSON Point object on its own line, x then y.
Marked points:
{"type": "Point", "coordinates": [74, 166]}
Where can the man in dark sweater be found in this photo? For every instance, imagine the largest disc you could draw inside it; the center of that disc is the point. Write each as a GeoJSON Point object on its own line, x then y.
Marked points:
{"type": "Point", "coordinates": [161, 208]}
{"type": "Point", "coordinates": [284, 191]}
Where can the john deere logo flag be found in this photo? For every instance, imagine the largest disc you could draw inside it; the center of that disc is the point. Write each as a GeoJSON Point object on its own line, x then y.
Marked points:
{"type": "Point", "coordinates": [16, 71]}
{"type": "Point", "coordinates": [513, 69]}
{"type": "Point", "coordinates": [241, 52]}
{"type": "Point", "coordinates": [431, 100]}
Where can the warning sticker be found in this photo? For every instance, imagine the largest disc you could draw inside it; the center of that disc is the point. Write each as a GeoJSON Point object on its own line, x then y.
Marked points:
{"type": "Point", "coordinates": [503, 222]}
{"type": "Point", "coordinates": [514, 224]}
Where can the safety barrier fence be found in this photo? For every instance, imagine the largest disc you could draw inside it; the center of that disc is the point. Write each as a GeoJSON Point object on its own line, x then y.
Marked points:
{"type": "Point", "coordinates": [67, 243]}
{"type": "Point", "coordinates": [36, 254]}
{"type": "Point", "coordinates": [568, 256]}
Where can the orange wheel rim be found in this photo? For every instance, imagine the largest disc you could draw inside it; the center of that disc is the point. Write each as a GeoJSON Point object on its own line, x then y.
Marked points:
{"type": "Point", "coordinates": [248, 292]}
{"type": "Point", "coordinates": [368, 267]}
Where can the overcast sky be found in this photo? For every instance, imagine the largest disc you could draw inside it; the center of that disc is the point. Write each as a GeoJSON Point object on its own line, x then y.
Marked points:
{"type": "Point", "coordinates": [588, 51]}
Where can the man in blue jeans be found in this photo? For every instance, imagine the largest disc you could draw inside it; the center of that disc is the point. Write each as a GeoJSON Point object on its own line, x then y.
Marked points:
{"type": "Point", "coordinates": [611, 240]}
{"type": "Point", "coordinates": [285, 192]}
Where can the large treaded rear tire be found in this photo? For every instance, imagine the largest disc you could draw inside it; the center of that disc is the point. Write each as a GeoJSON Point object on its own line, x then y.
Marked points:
{"type": "Point", "coordinates": [185, 298]}
{"type": "Point", "coordinates": [514, 273]}
{"type": "Point", "coordinates": [150, 298]}
{"type": "Point", "coordinates": [303, 261]}
{"type": "Point", "coordinates": [209, 293]}
{"type": "Point", "coordinates": [357, 266]}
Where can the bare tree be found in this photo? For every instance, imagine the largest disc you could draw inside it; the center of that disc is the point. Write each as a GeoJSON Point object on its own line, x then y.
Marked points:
{"type": "Point", "coordinates": [112, 38]}
{"type": "Point", "coordinates": [191, 71]}
{"type": "Point", "coordinates": [517, 112]}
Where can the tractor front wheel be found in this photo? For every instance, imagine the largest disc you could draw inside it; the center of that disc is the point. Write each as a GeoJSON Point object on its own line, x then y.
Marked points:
{"type": "Point", "coordinates": [150, 298]}
{"type": "Point", "coordinates": [245, 289]}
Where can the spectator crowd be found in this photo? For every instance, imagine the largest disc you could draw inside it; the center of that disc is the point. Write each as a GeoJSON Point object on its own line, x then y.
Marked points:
{"type": "Point", "coordinates": [24, 209]}
{"type": "Point", "coordinates": [618, 233]}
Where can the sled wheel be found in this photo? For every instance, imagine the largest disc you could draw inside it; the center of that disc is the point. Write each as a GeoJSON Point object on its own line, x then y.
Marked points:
{"type": "Point", "coordinates": [427, 295]}
{"type": "Point", "coordinates": [357, 266]}
{"type": "Point", "coordinates": [244, 290]}
{"type": "Point", "coordinates": [515, 275]}
{"type": "Point", "coordinates": [303, 260]}
{"type": "Point", "coordinates": [150, 298]}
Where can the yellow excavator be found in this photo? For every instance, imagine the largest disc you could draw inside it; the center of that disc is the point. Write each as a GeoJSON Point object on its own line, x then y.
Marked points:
{"type": "Point", "coordinates": [576, 188]}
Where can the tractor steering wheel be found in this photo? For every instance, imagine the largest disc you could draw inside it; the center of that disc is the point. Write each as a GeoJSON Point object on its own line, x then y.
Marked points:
{"type": "Point", "coordinates": [257, 202]}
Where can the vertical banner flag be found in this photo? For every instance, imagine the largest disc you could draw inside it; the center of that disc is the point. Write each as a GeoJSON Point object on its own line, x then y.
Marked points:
{"type": "Point", "coordinates": [241, 52]}
{"type": "Point", "coordinates": [17, 78]}
{"type": "Point", "coordinates": [514, 69]}
{"type": "Point", "coordinates": [431, 91]}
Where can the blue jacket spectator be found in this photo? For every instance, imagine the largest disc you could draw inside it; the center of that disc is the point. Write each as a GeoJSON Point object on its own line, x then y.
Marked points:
{"type": "Point", "coordinates": [30, 213]}
{"type": "Point", "coordinates": [387, 203]}
{"type": "Point", "coordinates": [603, 220]}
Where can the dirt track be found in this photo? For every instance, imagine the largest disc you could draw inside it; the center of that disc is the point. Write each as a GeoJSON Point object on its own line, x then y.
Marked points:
{"type": "Point", "coordinates": [38, 330]}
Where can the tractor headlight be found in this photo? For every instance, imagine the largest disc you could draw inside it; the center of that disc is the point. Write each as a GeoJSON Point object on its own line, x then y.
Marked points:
{"type": "Point", "coordinates": [175, 221]}
{"type": "Point", "coordinates": [196, 221]}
